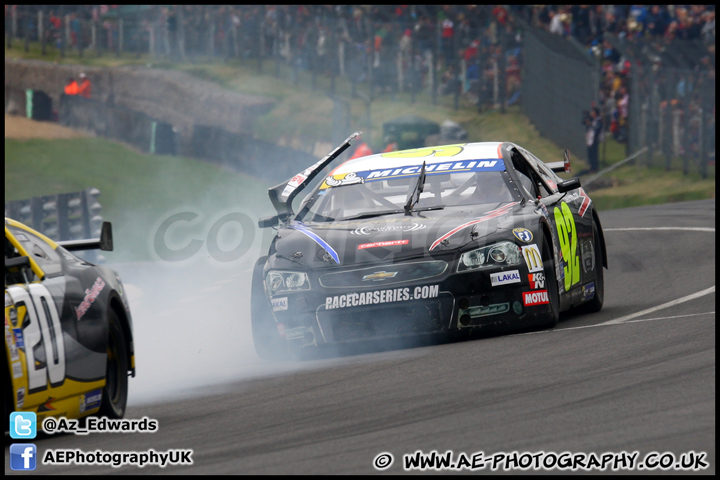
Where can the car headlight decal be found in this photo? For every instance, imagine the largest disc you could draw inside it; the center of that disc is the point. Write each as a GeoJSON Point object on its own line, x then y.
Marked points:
{"type": "Point", "coordinates": [497, 254]}
{"type": "Point", "coordinates": [283, 281]}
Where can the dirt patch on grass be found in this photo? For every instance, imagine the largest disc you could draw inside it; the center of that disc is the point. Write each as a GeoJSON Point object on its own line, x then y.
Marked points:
{"type": "Point", "coordinates": [22, 128]}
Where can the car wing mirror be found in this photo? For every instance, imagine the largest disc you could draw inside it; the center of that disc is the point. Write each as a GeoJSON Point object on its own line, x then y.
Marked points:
{"type": "Point", "coordinates": [568, 185]}
{"type": "Point", "coordinates": [266, 222]}
{"type": "Point", "coordinates": [561, 167]}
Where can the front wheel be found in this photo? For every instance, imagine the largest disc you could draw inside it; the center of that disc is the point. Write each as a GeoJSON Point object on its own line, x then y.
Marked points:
{"type": "Point", "coordinates": [115, 391]}
{"type": "Point", "coordinates": [268, 343]}
{"type": "Point", "coordinates": [551, 318]}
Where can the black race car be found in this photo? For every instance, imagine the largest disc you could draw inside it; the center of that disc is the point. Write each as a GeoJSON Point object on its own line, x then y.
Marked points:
{"type": "Point", "coordinates": [451, 238]}
{"type": "Point", "coordinates": [68, 329]}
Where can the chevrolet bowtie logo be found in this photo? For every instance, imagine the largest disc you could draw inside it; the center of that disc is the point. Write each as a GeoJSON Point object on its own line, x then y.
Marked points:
{"type": "Point", "coordinates": [378, 276]}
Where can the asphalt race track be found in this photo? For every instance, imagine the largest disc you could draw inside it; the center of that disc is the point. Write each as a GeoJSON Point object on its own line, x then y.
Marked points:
{"type": "Point", "coordinates": [637, 377]}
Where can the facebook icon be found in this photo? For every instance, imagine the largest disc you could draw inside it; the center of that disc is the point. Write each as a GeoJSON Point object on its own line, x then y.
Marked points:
{"type": "Point", "coordinates": [23, 456]}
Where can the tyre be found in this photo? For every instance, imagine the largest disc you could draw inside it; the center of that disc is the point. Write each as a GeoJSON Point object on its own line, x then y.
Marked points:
{"type": "Point", "coordinates": [596, 304]}
{"type": "Point", "coordinates": [551, 318]}
{"type": "Point", "coordinates": [269, 345]}
{"type": "Point", "coordinates": [115, 391]}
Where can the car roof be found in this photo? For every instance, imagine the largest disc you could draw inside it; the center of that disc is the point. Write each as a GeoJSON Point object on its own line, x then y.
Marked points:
{"type": "Point", "coordinates": [435, 154]}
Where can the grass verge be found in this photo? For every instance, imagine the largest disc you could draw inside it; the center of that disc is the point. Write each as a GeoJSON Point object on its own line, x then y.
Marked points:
{"type": "Point", "coordinates": [138, 191]}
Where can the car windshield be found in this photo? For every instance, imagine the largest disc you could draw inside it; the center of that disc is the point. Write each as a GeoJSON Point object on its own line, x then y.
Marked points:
{"type": "Point", "coordinates": [354, 199]}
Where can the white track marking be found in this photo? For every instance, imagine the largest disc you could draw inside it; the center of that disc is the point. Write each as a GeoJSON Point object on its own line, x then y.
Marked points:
{"type": "Point", "coordinates": [626, 318]}
{"type": "Point", "coordinates": [693, 296]}
{"type": "Point", "coordinates": [690, 229]}
{"type": "Point", "coordinates": [636, 321]}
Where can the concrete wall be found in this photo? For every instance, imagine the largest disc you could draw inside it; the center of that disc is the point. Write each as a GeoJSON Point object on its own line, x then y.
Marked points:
{"type": "Point", "coordinates": [208, 122]}
{"type": "Point", "coordinates": [173, 97]}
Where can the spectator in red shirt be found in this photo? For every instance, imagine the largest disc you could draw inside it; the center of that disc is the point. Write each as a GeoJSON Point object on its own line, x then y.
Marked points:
{"type": "Point", "coordinates": [84, 87]}
{"type": "Point", "coordinates": [362, 150]}
{"type": "Point", "coordinates": [500, 14]}
{"type": "Point", "coordinates": [448, 40]}
{"type": "Point", "coordinates": [72, 87]}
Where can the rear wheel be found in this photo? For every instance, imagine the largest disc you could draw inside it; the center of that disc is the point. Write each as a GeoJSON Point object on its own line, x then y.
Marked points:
{"type": "Point", "coordinates": [596, 304]}
{"type": "Point", "coordinates": [551, 318]}
{"type": "Point", "coordinates": [268, 343]}
{"type": "Point", "coordinates": [114, 394]}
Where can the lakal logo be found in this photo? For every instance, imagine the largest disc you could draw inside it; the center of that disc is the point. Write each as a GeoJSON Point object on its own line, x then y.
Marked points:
{"type": "Point", "coordinates": [502, 278]}
{"type": "Point", "coordinates": [279, 304]}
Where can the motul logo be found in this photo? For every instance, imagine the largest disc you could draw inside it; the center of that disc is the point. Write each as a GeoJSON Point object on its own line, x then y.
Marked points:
{"type": "Point", "coordinates": [535, 298]}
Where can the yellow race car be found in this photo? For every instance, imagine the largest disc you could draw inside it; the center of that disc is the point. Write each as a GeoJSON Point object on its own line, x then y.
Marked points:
{"type": "Point", "coordinates": [68, 328]}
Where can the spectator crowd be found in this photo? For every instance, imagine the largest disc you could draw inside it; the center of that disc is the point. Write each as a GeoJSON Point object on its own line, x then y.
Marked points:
{"type": "Point", "coordinates": [651, 28]}
{"type": "Point", "coordinates": [475, 50]}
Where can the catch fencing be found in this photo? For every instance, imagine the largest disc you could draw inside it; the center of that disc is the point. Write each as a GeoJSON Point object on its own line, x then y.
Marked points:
{"type": "Point", "coordinates": [559, 83]}
{"type": "Point", "coordinates": [672, 104]}
{"type": "Point", "coordinates": [555, 80]}
{"type": "Point", "coordinates": [324, 51]}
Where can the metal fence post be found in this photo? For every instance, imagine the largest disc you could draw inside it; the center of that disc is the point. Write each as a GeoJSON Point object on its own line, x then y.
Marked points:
{"type": "Point", "coordinates": [95, 38]}
{"type": "Point", "coordinates": [502, 78]}
{"type": "Point", "coordinates": [26, 29]}
{"type": "Point", "coordinates": [121, 36]}
{"type": "Point", "coordinates": [211, 41]}
{"type": "Point", "coordinates": [276, 45]}
{"type": "Point", "coordinates": [706, 127]}
{"type": "Point", "coordinates": [61, 35]}
{"type": "Point", "coordinates": [434, 61]}
{"type": "Point", "coordinates": [81, 38]}
{"type": "Point", "coordinates": [668, 134]}
{"type": "Point", "coordinates": [261, 52]}
{"type": "Point", "coordinates": [181, 31]}
{"type": "Point", "coordinates": [66, 29]}
{"type": "Point", "coordinates": [13, 32]}
{"type": "Point", "coordinates": [42, 32]}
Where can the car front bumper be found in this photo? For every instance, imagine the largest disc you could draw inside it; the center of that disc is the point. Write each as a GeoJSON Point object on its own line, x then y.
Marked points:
{"type": "Point", "coordinates": [453, 302]}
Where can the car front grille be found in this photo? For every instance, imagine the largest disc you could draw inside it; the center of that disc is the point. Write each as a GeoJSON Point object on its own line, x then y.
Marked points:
{"type": "Point", "coordinates": [386, 321]}
{"type": "Point", "coordinates": [384, 275]}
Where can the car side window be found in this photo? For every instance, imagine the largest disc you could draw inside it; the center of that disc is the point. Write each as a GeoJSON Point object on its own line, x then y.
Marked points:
{"type": "Point", "coordinates": [525, 175]}
{"type": "Point", "coordinates": [16, 275]}
{"type": "Point", "coordinates": [47, 258]}
{"type": "Point", "coordinates": [548, 175]}
{"type": "Point", "coordinates": [526, 163]}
